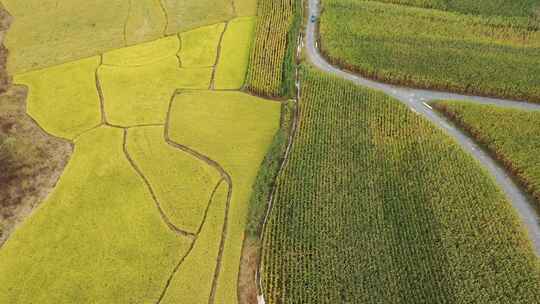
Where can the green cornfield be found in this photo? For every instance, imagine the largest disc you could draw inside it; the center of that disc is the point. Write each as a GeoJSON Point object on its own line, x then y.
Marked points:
{"type": "Point", "coordinates": [272, 62]}
{"type": "Point", "coordinates": [482, 54]}
{"type": "Point", "coordinates": [377, 206]}
{"type": "Point", "coordinates": [509, 8]}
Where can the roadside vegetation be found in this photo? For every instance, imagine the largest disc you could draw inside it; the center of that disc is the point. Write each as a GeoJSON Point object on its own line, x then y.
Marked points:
{"type": "Point", "coordinates": [477, 51]}
{"type": "Point", "coordinates": [376, 205]}
{"type": "Point", "coordinates": [511, 135]}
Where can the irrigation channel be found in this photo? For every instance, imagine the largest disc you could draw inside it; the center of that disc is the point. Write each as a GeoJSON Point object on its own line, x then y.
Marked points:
{"type": "Point", "coordinates": [417, 100]}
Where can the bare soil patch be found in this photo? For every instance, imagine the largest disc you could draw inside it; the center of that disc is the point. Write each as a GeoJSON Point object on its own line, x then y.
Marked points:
{"type": "Point", "coordinates": [247, 284]}
{"type": "Point", "coordinates": [31, 161]}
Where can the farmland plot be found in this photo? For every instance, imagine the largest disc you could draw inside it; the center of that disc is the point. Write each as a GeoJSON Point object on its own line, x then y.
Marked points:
{"type": "Point", "coordinates": [50, 32]}
{"type": "Point", "coordinates": [443, 50]}
{"type": "Point", "coordinates": [235, 130]}
{"type": "Point", "coordinates": [141, 213]}
{"type": "Point", "coordinates": [377, 206]}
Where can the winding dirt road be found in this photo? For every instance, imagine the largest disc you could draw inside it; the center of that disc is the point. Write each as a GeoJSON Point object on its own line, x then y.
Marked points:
{"type": "Point", "coordinates": [417, 100]}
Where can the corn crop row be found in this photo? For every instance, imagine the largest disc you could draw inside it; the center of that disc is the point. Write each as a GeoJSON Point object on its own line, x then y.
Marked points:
{"type": "Point", "coordinates": [275, 43]}
{"type": "Point", "coordinates": [377, 206]}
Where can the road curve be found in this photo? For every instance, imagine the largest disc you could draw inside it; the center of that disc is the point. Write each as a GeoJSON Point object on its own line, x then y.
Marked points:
{"type": "Point", "coordinates": [416, 100]}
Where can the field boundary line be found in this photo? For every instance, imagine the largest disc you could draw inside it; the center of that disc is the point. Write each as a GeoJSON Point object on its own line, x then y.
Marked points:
{"type": "Point", "coordinates": [218, 57]}
{"type": "Point", "coordinates": [166, 15]}
{"type": "Point", "coordinates": [224, 174]}
{"type": "Point", "coordinates": [164, 217]}
{"type": "Point", "coordinates": [130, 3]}
{"type": "Point", "coordinates": [181, 261]}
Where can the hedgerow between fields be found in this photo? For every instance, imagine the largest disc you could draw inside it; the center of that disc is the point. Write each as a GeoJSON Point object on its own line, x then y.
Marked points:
{"type": "Point", "coordinates": [376, 205]}
{"type": "Point", "coordinates": [512, 135]}
{"type": "Point", "coordinates": [495, 56]}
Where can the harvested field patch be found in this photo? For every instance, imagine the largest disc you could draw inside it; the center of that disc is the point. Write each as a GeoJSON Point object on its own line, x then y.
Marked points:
{"type": "Point", "coordinates": [234, 54]}
{"type": "Point", "coordinates": [144, 53]}
{"type": "Point", "coordinates": [245, 8]}
{"type": "Point", "coordinates": [146, 21]}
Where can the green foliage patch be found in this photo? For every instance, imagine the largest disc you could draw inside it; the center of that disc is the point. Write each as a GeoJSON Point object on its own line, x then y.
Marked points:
{"type": "Point", "coordinates": [235, 130]}
{"type": "Point", "coordinates": [264, 183]}
{"type": "Point", "coordinates": [376, 205]}
{"type": "Point", "coordinates": [512, 135]}
{"type": "Point", "coordinates": [433, 49]}
{"type": "Point", "coordinates": [511, 8]}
